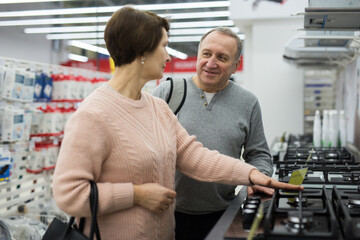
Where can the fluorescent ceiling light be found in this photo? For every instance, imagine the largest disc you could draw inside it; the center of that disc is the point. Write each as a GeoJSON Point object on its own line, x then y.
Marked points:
{"type": "Point", "coordinates": [77, 57]}
{"type": "Point", "coordinates": [171, 40]}
{"type": "Point", "coordinates": [194, 38]}
{"type": "Point", "coordinates": [88, 47]}
{"type": "Point", "coordinates": [223, 23]}
{"type": "Point", "coordinates": [176, 53]}
{"type": "Point", "coordinates": [195, 31]}
{"type": "Point", "coordinates": [53, 21]}
{"type": "Point", "coordinates": [106, 18]}
{"type": "Point", "coordinates": [65, 29]}
{"type": "Point", "coordinates": [173, 33]}
{"type": "Point", "coordinates": [94, 41]}
{"type": "Point", "coordinates": [94, 10]}
{"type": "Point", "coordinates": [212, 14]}
{"type": "Point", "coordinates": [175, 25]}
{"type": "Point", "coordinates": [197, 38]}
{"type": "Point", "coordinates": [185, 39]}
{"type": "Point", "coordinates": [30, 1]}
{"type": "Point", "coordinates": [75, 35]}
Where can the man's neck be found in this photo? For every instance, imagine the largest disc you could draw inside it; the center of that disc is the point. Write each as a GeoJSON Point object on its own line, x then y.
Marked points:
{"type": "Point", "coordinates": [209, 89]}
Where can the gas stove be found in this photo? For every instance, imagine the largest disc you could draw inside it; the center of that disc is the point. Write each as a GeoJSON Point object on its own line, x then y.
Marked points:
{"type": "Point", "coordinates": [326, 165]}
{"type": "Point", "coordinates": [328, 207]}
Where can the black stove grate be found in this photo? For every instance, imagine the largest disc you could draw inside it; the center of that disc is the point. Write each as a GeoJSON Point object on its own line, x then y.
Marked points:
{"type": "Point", "coordinates": [346, 203]}
{"type": "Point", "coordinates": [345, 174]}
{"type": "Point", "coordinates": [301, 215]}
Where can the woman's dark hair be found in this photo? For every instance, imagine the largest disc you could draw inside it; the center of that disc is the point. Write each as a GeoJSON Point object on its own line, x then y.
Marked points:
{"type": "Point", "coordinates": [130, 33]}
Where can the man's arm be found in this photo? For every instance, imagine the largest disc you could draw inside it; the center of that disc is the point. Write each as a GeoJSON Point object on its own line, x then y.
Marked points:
{"type": "Point", "coordinates": [256, 150]}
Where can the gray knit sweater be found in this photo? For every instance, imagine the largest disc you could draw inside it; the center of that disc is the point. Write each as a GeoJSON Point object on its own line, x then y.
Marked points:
{"type": "Point", "coordinates": [231, 121]}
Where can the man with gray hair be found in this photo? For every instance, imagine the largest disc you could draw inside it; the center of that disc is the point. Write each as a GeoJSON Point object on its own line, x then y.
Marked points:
{"type": "Point", "coordinates": [224, 117]}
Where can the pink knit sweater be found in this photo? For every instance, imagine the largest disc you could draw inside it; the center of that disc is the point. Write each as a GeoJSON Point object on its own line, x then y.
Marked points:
{"type": "Point", "coordinates": [119, 142]}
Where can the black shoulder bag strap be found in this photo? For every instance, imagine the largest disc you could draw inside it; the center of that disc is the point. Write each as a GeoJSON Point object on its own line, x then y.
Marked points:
{"type": "Point", "coordinates": [177, 94]}
{"type": "Point", "coordinates": [94, 198]}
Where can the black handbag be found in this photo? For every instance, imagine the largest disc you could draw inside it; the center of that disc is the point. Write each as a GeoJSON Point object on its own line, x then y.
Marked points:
{"type": "Point", "coordinates": [59, 230]}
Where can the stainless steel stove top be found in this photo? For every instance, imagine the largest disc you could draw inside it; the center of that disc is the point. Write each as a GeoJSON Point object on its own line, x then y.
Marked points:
{"type": "Point", "coordinates": [328, 208]}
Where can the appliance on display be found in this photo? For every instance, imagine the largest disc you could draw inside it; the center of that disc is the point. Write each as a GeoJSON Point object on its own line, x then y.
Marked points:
{"type": "Point", "coordinates": [301, 215]}
{"type": "Point", "coordinates": [328, 207]}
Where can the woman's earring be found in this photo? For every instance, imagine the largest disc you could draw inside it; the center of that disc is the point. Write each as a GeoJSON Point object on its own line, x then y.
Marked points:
{"type": "Point", "coordinates": [142, 60]}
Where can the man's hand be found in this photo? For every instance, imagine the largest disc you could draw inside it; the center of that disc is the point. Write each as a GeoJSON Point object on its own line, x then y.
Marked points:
{"type": "Point", "coordinates": [258, 178]}
{"type": "Point", "coordinates": [153, 196]}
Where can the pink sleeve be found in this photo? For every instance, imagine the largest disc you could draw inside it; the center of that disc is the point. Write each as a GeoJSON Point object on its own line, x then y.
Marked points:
{"type": "Point", "coordinates": [83, 150]}
{"type": "Point", "coordinates": [207, 165]}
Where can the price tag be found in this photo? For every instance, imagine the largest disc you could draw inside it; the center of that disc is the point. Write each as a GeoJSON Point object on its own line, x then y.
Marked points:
{"type": "Point", "coordinates": [297, 176]}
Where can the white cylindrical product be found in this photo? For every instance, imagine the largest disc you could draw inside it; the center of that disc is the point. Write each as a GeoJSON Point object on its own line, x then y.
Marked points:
{"type": "Point", "coordinates": [317, 130]}
{"type": "Point", "coordinates": [325, 129]}
{"type": "Point", "coordinates": [342, 129]}
{"type": "Point", "coordinates": [333, 128]}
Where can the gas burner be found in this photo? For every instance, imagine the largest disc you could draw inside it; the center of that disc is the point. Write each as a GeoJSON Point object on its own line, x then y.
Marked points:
{"type": "Point", "coordinates": [251, 206]}
{"type": "Point", "coordinates": [296, 201]}
{"type": "Point", "coordinates": [331, 155]}
{"type": "Point", "coordinates": [350, 179]}
{"type": "Point", "coordinates": [294, 222]}
{"type": "Point", "coordinates": [353, 203]}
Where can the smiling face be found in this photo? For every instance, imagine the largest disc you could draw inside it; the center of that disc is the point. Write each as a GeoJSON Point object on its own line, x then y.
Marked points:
{"type": "Point", "coordinates": [155, 61]}
{"type": "Point", "coordinates": [216, 62]}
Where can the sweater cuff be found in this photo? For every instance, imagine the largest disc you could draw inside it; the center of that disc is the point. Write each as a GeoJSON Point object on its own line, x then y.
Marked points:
{"type": "Point", "coordinates": [241, 173]}
{"type": "Point", "coordinates": [124, 196]}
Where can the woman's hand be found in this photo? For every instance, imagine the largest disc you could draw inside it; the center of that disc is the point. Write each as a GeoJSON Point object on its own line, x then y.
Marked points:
{"type": "Point", "coordinates": [256, 189]}
{"type": "Point", "coordinates": [153, 196]}
{"type": "Point", "coordinates": [258, 178]}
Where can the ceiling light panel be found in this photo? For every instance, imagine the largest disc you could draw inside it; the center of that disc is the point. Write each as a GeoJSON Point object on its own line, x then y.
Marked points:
{"type": "Point", "coordinates": [65, 29]}
{"type": "Point", "coordinates": [88, 47]}
{"type": "Point", "coordinates": [77, 57]}
{"type": "Point", "coordinates": [224, 23]}
{"type": "Point", "coordinates": [74, 36]}
{"type": "Point", "coordinates": [51, 21]}
{"type": "Point", "coordinates": [173, 26]}
{"type": "Point", "coordinates": [175, 32]}
{"type": "Point", "coordinates": [30, 1]}
{"type": "Point", "coordinates": [111, 9]}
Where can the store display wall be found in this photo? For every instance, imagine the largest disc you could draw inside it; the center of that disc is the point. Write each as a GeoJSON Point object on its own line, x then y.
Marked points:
{"type": "Point", "coordinates": [36, 101]}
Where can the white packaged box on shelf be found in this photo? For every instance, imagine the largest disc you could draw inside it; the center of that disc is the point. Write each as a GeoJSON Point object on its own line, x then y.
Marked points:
{"type": "Point", "coordinates": [12, 124]}
{"type": "Point", "coordinates": [13, 84]}
{"type": "Point", "coordinates": [28, 90]}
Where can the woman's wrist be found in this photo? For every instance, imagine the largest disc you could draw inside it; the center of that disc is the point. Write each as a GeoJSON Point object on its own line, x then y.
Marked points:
{"type": "Point", "coordinates": [137, 194]}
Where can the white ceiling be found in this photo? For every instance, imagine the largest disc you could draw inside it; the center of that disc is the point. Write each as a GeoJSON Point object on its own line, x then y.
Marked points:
{"type": "Point", "coordinates": [189, 48]}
